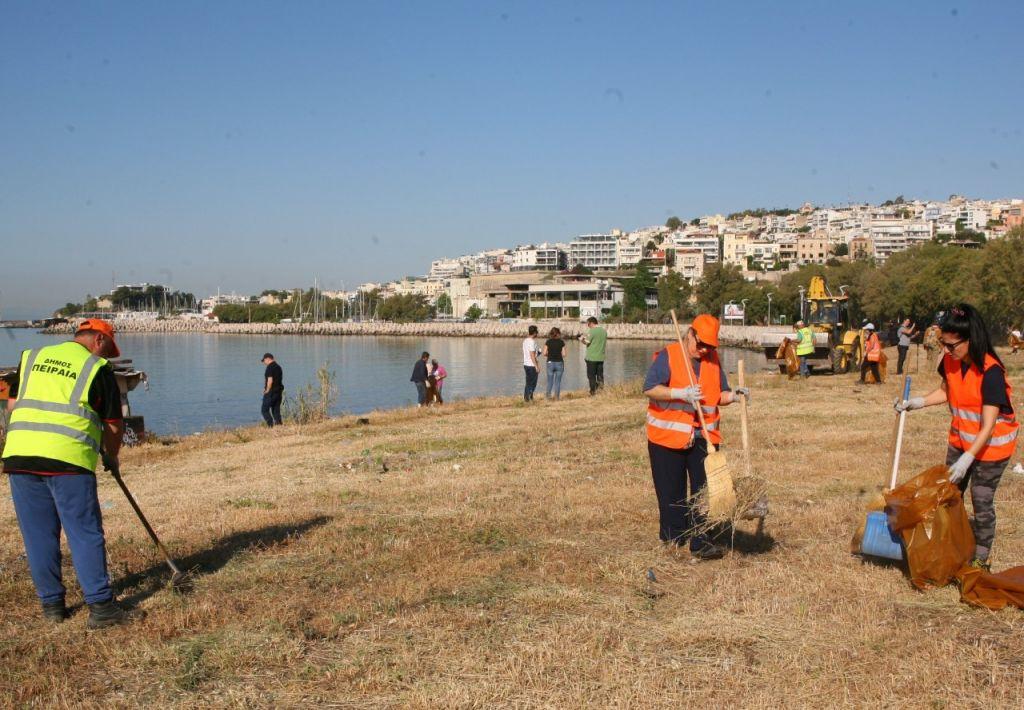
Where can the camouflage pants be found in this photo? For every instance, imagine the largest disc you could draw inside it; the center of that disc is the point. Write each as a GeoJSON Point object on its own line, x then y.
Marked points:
{"type": "Point", "coordinates": [983, 479]}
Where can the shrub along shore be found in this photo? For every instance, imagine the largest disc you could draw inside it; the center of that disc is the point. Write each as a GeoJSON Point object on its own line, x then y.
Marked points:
{"type": "Point", "coordinates": [493, 553]}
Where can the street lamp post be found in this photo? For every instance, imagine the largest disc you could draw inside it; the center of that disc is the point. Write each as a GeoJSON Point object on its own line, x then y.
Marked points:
{"type": "Point", "coordinates": [769, 295]}
{"type": "Point", "coordinates": [743, 302]}
{"type": "Point", "coordinates": [802, 291]}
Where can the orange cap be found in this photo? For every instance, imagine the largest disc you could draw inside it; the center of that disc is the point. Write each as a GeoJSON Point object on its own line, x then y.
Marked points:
{"type": "Point", "coordinates": [706, 327]}
{"type": "Point", "coordinates": [100, 326]}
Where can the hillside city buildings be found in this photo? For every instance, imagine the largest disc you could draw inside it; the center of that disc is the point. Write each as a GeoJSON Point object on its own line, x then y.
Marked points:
{"type": "Point", "coordinates": [584, 275]}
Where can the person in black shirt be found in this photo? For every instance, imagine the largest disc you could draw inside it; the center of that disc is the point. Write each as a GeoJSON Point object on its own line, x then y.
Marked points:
{"type": "Point", "coordinates": [553, 348]}
{"type": "Point", "coordinates": [419, 378]}
{"type": "Point", "coordinates": [273, 391]}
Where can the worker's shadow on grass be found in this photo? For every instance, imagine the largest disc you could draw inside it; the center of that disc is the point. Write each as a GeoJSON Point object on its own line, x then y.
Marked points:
{"type": "Point", "coordinates": [145, 583]}
{"type": "Point", "coordinates": [747, 543]}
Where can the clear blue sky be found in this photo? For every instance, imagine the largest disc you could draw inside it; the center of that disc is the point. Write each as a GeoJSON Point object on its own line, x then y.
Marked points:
{"type": "Point", "coordinates": [250, 144]}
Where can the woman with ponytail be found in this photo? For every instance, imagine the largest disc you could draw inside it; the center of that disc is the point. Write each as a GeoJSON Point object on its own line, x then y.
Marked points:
{"type": "Point", "coordinates": [983, 432]}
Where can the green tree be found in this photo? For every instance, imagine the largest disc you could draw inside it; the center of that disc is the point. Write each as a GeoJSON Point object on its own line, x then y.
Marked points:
{"type": "Point", "coordinates": [674, 223]}
{"type": "Point", "coordinates": [674, 292]}
{"type": "Point", "coordinates": [443, 303]}
{"type": "Point", "coordinates": [406, 308]}
{"type": "Point", "coordinates": [524, 309]}
{"type": "Point", "coordinates": [841, 249]}
{"type": "Point", "coordinates": [635, 293]}
{"type": "Point", "coordinates": [474, 312]}
{"type": "Point", "coordinates": [581, 270]}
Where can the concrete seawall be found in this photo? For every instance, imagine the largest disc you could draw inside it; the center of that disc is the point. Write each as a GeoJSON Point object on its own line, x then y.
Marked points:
{"type": "Point", "coordinates": [731, 334]}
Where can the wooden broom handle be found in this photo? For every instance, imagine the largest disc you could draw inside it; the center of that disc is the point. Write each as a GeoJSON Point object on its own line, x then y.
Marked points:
{"type": "Point", "coordinates": [693, 379]}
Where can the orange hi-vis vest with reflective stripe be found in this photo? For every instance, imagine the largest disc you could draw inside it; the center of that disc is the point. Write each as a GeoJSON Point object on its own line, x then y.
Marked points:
{"type": "Point", "coordinates": [964, 394]}
{"type": "Point", "coordinates": [873, 350]}
{"type": "Point", "coordinates": [673, 423]}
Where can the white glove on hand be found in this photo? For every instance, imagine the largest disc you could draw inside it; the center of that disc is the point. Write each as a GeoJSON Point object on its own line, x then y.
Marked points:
{"type": "Point", "coordinates": [910, 405]}
{"type": "Point", "coordinates": [959, 469]}
{"type": "Point", "coordinates": [692, 394]}
{"type": "Point", "coordinates": [742, 392]}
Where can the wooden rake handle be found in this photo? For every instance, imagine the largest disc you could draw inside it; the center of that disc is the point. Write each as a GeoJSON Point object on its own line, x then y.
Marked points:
{"type": "Point", "coordinates": [692, 377]}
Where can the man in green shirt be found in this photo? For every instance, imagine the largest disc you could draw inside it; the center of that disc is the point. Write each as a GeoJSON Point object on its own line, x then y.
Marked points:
{"type": "Point", "coordinates": [595, 340]}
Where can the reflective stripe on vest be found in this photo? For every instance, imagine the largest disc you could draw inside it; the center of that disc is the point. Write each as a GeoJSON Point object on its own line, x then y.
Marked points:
{"type": "Point", "coordinates": [965, 404]}
{"type": "Point", "coordinates": [674, 423]}
{"type": "Point", "coordinates": [56, 429]}
{"type": "Point", "coordinates": [52, 417]}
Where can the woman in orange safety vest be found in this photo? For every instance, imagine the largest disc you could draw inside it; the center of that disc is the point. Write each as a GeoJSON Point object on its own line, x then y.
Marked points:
{"type": "Point", "coordinates": [676, 442]}
{"type": "Point", "coordinates": [872, 354]}
{"type": "Point", "coordinates": [983, 432]}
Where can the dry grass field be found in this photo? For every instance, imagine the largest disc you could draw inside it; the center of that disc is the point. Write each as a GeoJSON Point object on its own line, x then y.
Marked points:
{"type": "Point", "coordinates": [501, 560]}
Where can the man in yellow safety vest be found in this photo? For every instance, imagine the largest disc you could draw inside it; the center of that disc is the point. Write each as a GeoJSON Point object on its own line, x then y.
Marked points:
{"type": "Point", "coordinates": [804, 346]}
{"type": "Point", "coordinates": [67, 410]}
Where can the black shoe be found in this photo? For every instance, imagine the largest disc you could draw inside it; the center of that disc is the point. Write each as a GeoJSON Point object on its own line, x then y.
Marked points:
{"type": "Point", "coordinates": [709, 552]}
{"type": "Point", "coordinates": [55, 611]}
{"type": "Point", "coordinates": [103, 614]}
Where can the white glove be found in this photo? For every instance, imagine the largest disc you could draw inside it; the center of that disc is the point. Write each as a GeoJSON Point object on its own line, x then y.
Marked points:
{"type": "Point", "coordinates": [959, 469]}
{"type": "Point", "coordinates": [910, 405]}
{"type": "Point", "coordinates": [742, 392]}
{"type": "Point", "coordinates": [692, 394]}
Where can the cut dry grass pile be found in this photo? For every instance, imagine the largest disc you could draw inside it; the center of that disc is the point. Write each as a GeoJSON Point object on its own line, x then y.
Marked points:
{"type": "Point", "coordinates": [502, 559]}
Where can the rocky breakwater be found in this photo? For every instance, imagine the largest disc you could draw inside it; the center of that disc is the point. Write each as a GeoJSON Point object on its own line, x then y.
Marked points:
{"type": "Point", "coordinates": [740, 336]}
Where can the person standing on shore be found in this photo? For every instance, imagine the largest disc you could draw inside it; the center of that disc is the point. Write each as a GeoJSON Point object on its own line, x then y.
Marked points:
{"type": "Point", "coordinates": [553, 350]}
{"type": "Point", "coordinates": [983, 432]}
{"type": "Point", "coordinates": [595, 339]}
{"type": "Point", "coordinates": [530, 366]}
{"type": "Point", "coordinates": [676, 443]}
{"type": "Point", "coordinates": [804, 346]}
{"type": "Point", "coordinates": [67, 410]}
{"type": "Point", "coordinates": [436, 380]}
{"type": "Point", "coordinates": [419, 378]}
{"type": "Point", "coordinates": [273, 391]}
{"type": "Point", "coordinates": [907, 331]}
{"type": "Point", "coordinates": [872, 355]}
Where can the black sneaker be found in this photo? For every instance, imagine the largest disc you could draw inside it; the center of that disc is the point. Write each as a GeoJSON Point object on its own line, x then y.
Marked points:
{"type": "Point", "coordinates": [55, 611]}
{"type": "Point", "coordinates": [103, 614]}
{"type": "Point", "coordinates": [709, 552]}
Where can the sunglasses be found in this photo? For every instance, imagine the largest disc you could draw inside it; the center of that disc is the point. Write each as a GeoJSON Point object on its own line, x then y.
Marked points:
{"type": "Point", "coordinates": [952, 346]}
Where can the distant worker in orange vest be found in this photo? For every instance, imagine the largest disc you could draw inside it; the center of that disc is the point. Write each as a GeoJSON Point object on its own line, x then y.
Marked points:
{"type": "Point", "coordinates": [675, 441]}
{"type": "Point", "coordinates": [983, 433]}
{"type": "Point", "coordinates": [872, 355]}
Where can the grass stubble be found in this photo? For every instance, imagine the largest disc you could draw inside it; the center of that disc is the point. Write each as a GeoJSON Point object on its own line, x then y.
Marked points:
{"type": "Point", "coordinates": [501, 559]}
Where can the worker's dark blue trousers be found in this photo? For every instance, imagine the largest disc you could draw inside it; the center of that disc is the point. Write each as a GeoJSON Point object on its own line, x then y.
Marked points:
{"type": "Point", "coordinates": [678, 514]}
{"type": "Point", "coordinates": [45, 504]}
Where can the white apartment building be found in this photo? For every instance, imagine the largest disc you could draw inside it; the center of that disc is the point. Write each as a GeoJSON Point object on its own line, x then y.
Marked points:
{"type": "Point", "coordinates": [599, 252]}
{"type": "Point", "coordinates": [630, 253]}
{"type": "Point", "coordinates": [974, 216]}
{"type": "Point", "coordinates": [703, 242]}
{"type": "Point", "coordinates": [544, 257]}
{"type": "Point", "coordinates": [441, 269]}
{"type": "Point", "coordinates": [576, 299]}
{"type": "Point", "coordinates": [892, 235]}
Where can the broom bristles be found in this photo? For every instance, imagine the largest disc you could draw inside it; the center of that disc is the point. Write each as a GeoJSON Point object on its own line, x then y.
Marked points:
{"type": "Point", "coordinates": [721, 491]}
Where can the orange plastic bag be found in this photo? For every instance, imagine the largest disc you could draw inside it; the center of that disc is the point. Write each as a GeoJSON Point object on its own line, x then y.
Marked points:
{"type": "Point", "coordinates": [994, 591]}
{"type": "Point", "coordinates": [928, 513]}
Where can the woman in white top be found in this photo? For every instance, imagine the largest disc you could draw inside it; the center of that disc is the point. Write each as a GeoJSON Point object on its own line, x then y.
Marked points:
{"type": "Point", "coordinates": [530, 363]}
